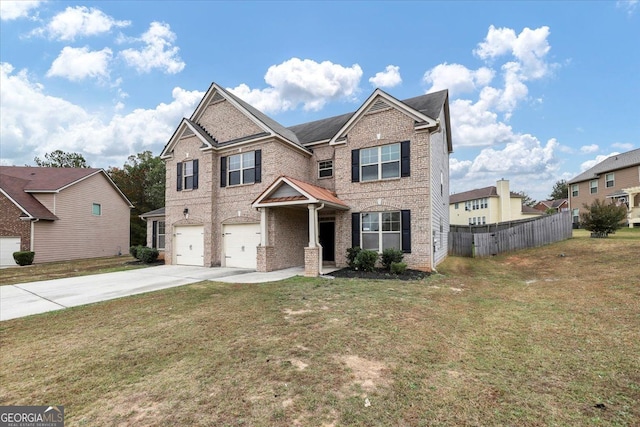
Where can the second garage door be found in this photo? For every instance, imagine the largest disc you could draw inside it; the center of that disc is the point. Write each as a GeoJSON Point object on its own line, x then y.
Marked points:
{"type": "Point", "coordinates": [240, 242]}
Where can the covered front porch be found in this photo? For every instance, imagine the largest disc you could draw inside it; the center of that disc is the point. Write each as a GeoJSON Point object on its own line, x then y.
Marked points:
{"type": "Point", "coordinates": [631, 198]}
{"type": "Point", "coordinates": [296, 226]}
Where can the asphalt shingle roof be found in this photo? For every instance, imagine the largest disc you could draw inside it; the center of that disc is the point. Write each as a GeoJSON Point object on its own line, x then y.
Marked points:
{"type": "Point", "coordinates": [15, 188]}
{"type": "Point", "coordinates": [612, 163]}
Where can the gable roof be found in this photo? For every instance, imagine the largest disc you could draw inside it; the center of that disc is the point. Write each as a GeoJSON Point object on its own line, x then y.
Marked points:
{"type": "Point", "coordinates": [269, 126]}
{"type": "Point", "coordinates": [306, 193]}
{"type": "Point", "coordinates": [612, 163]}
{"type": "Point", "coordinates": [377, 95]}
{"type": "Point", "coordinates": [154, 213]}
{"type": "Point", "coordinates": [555, 204]}
{"type": "Point", "coordinates": [19, 182]}
{"type": "Point", "coordinates": [14, 189]}
{"type": "Point", "coordinates": [478, 193]}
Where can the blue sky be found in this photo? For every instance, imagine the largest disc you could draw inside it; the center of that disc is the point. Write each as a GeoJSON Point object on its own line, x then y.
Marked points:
{"type": "Point", "coordinates": [539, 91]}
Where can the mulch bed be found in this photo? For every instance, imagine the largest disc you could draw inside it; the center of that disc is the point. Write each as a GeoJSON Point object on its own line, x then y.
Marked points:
{"type": "Point", "coordinates": [380, 274]}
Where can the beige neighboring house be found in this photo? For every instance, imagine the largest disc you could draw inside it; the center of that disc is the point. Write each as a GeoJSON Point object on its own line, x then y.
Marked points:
{"type": "Point", "coordinates": [488, 205]}
{"type": "Point", "coordinates": [61, 214]}
{"type": "Point", "coordinates": [245, 191]}
{"type": "Point", "coordinates": [615, 179]}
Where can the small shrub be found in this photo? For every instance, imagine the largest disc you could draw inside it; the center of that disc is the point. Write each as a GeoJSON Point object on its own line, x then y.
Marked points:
{"type": "Point", "coordinates": [389, 256]}
{"type": "Point", "coordinates": [147, 255]}
{"type": "Point", "coordinates": [352, 254]}
{"type": "Point", "coordinates": [133, 250]}
{"type": "Point", "coordinates": [398, 267]}
{"type": "Point", "coordinates": [24, 257]}
{"type": "Point", "coordinates": [366, 260]}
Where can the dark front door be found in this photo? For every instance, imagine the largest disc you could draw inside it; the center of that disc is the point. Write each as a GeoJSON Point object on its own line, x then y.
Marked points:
{"type": "Point", "coordinates": [328, 240]}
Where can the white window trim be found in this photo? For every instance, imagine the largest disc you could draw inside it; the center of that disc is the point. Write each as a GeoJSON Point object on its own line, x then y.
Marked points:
{"type": "Point", "coordinates": [591, 186]}
{"type": "Point", "coordinates": [380, 232]}
{"type": "Point", "coordinates": [242, 168]}
{"type": "Point", "coordinates": [320, 168]}
{"type": "Point", "coordinates": [185, 176]}
{"type": "Point", "coordinates": [606, 180]}
{"type": "Point", "coordinates": [158, 234]}
{"type": "Point", "coordinates": [575, 190]}
{"type": "Point", "coordinates": [379, 163]}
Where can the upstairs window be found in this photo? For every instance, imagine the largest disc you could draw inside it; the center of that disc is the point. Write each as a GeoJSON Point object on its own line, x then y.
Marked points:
{"type": "Point", "coordinates": [325, 169]}
{"type": "Point", "coordinates": [187, 175]}
{"type": "Point", "coordinates": [593, 186]}
{"type": "Point", "coordinates": [96, 209]}
{"type": "Point", "coordinates": [610, 180]}
{"type": "Point", "coordinates": [239, 169]}
{"type": "Point", "coordinates": [383, 162]}
{"type": "Point", "coordinates": [574, 190]}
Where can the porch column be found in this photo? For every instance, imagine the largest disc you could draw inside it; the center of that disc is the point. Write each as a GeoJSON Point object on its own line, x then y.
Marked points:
{"type": "Point", "coordinates": [312, 225]}
{"type": "Point", "coordinates": [264, 237]}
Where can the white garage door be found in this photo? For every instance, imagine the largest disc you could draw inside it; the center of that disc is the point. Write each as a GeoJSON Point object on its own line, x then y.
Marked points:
{"type": "Point", "coordinates": [8, 245]}
{"type": "Point", "coordinates": [189, 245]}
{"type": "Point", "coordinates": [240, 242]}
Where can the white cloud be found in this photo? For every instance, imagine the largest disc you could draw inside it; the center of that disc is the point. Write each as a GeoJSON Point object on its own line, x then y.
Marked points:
{"type": "Point", "coordinates": [591, 163]}
{"type": "Point", "coordinates": [77, 22]}
{"type": "Point", "coordinates": [305, 82]}
{"type": "Point", "coordinates": [158, 52]}
{"type": "Point", "coordinates": [625, 146]}
{"type": "Point", "coordinates": [390, 77]}
{"type": "Point", "coordinates": [10, 10]}
{"type": "Point", "coordinates": [628, 5]}
{"type": "Point", "coordinates": [457, 78]}
{"type": "Point", "coordinates": [79, 63]}
{"type": "Point", "coordinates": [34, 123]}
{"type": "Point", "coordinates": [530, 166]}
{"type": "Point", "coordinates": [588, 149]}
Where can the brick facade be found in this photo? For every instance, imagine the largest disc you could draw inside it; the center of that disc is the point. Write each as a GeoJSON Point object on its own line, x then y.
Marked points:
{"type": "Point", "coordinates": [12, 225]}
{"type": "Point", "coordinates": [213, 205]}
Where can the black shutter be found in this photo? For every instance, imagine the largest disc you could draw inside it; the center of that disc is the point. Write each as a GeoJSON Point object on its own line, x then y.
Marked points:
{"type": "Point", "coordinates": [405, 159]}
{"type": "Point", "coordinates": [406, 231]}
{"type": "Point", "coordinates": [195, 174]}
{"type": "Point", "coordinates": [258, 164]}
{"type": "Point", "coordinates": [154, 234]}
{"type": "Point", "coordinates": [179, 187]}
{"type": "Point", "coordinates": [355, 165]}
{"type": "Point", "coordinates": [355, 229]}
{"type": "Point", "coordinates": [223, 171]}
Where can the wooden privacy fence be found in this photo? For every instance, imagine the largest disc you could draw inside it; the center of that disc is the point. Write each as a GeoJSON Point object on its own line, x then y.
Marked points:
{"type": "Point", "coordinates": [541, 231]}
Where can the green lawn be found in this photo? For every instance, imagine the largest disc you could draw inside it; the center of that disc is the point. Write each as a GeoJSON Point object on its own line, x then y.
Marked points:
{"type": "Point", "coordinates": [548, 336]}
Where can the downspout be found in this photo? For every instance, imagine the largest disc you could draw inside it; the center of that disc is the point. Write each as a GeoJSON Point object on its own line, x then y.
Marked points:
{"type": "Point", "coordinates": [318, 237]}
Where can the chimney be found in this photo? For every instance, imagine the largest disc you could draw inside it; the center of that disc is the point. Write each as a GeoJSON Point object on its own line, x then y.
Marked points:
{"type": "Point", "coordinates": [504, 200]}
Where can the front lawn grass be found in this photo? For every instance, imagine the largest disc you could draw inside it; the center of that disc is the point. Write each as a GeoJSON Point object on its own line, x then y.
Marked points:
{"type": "Point", "coordinates": [58, 270]}
{"type": "Point", "coordinates": [547, 336]}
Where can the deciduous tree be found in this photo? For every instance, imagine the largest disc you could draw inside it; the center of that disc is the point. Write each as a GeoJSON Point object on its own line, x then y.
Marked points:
{"type": "Point", "coordinates": [560, 190]}
{"type": "Point", "coordinates": [603, 218]}
{"type": "Point", "coordinates": [61, 159]}
{"type": "Point", "coordinates": [142, 180]}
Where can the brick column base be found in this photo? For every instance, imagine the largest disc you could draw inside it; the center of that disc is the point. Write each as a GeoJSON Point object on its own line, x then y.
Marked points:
{"type": "Point", "coordinates": [265, 259]}
{"type": "Point", "coordinates": [312, 262]}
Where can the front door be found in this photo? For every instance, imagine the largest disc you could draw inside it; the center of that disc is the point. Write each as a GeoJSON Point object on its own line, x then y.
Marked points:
{"type": "Point", "coordinates": [328, 240]}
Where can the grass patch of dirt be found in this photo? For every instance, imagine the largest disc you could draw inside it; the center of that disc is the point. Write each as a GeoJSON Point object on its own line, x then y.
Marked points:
{"type": "Point", "coordinates": [528, 339]}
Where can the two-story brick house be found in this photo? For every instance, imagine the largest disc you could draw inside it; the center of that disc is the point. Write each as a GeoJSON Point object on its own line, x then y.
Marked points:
{"type": "Point", "coordinates": [245, 191]}
{"type": "Point", "coordinates": [616, 179]}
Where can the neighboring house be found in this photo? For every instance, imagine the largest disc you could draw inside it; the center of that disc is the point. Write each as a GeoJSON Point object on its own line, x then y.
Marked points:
{"type": "Point", "coordinates": [615, 179]}
{"type": "Point", "coordinates": [245, 191]}
{"type": "Point", "coordinates": [61, 214]}
{"type": "Point", "coordinates": [558, 205]}
{"type": "Point", "coordinates": [488, 205]}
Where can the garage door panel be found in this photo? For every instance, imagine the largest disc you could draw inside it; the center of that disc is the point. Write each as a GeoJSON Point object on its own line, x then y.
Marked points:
{"type": "Point", "coordinates": [240, 245]}
{"type": "Point", "coordinates": [189, 245]}
{"type": "Point", "coordinates": [8, 245]}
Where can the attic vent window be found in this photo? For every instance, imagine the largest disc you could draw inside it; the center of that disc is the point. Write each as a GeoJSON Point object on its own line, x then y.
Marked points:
{"type": "Point", "coordinates": [217, 97]}
{"type": "Point", "coordinates": [377, 106]}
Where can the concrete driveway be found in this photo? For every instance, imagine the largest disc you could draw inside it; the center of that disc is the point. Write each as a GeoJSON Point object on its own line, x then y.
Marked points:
{"type": "Point", "coordinates": [25, 299]}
